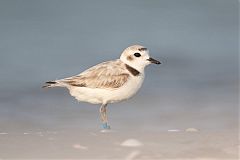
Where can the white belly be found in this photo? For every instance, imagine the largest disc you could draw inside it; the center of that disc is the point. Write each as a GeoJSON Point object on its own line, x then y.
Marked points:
{"type": "Point", "coordinates": [99, 96]}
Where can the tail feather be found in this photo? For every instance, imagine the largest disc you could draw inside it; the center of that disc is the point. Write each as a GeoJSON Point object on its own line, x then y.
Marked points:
{"type": "Point", "coordinates": [50, 84]}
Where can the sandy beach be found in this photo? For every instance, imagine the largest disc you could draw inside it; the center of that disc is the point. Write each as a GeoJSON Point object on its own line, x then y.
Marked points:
{"type": "Point", "coordinates": [90, 144]}
{"type": "Point", "coordinates": [61, 128]}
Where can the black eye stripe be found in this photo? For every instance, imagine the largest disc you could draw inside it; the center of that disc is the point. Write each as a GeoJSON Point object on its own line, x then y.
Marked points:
{"type": "Point", "coordinates": [137, 54]}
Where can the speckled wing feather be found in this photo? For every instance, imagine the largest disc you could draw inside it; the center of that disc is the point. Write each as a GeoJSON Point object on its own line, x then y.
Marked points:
{"type": "Point", "coordinates": [106, 75]}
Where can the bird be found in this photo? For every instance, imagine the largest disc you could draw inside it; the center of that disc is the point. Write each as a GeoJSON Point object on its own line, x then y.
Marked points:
{"type": "Point", "coordinates": [109, 82]}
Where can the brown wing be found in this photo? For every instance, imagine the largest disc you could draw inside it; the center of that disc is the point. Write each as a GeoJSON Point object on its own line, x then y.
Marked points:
{"type": "Point", "coordinates": [105, 75]}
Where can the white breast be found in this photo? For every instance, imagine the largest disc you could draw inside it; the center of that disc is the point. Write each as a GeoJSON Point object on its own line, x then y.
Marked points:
{"type": "Point", "coordinates": [128, 90]}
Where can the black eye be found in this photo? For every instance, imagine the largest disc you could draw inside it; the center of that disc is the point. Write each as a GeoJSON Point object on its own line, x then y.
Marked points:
{"type": "Point", "coordinates": [137, 54]}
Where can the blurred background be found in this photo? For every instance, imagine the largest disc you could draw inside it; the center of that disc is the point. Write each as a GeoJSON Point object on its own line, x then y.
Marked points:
{"type": "Point", "coordinates": [195, 86]}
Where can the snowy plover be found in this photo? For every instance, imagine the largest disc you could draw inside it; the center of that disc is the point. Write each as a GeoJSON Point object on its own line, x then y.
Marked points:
{"type": "Point", "coordinates": [110, 81]}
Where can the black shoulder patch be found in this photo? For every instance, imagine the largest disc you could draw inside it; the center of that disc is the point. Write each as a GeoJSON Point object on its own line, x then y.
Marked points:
{"type": "Point", "coordinates": [132, 70]}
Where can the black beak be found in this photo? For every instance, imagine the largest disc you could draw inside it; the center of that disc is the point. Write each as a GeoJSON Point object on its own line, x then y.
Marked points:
{"type": "Point", "coordinates": [154, 61]}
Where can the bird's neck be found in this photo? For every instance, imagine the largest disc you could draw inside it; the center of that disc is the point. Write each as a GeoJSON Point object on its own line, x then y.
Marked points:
{"type": "Point", "coordinates": [134, 68]}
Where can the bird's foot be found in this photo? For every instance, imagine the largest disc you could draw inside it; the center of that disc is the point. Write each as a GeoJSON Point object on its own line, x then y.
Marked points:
{"type": "Point", "coordinates": [105, 126]}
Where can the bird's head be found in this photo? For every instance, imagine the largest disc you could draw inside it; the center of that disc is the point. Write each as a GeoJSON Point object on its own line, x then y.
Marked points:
{"type": "Point", "coordinates": [137, 56]}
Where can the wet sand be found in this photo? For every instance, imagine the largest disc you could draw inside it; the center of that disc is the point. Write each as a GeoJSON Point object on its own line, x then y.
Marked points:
{"type": "Point", "coordinates": [88, 144]}
{"type": "Point", "coordinates": [53, 126]}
